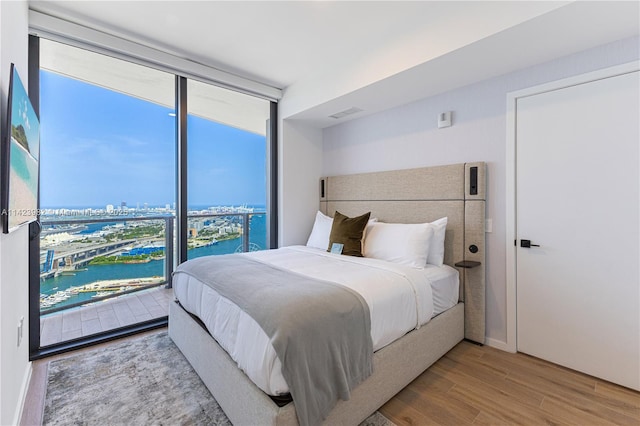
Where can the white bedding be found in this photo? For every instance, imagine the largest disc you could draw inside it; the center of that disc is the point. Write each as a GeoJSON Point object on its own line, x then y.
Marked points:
{"type": "Point", "coordinates": [400, 298]}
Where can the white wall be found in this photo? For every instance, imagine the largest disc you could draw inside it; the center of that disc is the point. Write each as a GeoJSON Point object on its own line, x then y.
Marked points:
{"type": "Point", "coordinates": [366, 68]}
{"type": "Point", "coordinates": [408, 136]}
{"type": "Point", "coordinates": [14, 279]}
{"type": "Point", "coordinates": [300, 168]}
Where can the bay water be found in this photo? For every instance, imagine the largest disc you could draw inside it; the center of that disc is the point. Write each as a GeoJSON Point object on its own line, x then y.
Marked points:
{"type": "Point", "coordinates": [154, 268]}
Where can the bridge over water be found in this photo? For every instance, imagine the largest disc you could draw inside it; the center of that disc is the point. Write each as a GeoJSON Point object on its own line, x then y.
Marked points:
{"type": "Point", "coordinates": [77, 257]}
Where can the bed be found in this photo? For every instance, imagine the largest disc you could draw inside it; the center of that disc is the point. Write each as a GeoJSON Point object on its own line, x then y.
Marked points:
{"type": "Point", "coordinates": [404, 196]}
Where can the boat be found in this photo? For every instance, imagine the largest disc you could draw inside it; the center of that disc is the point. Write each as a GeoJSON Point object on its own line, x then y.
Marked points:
{"type": "Point", "coordinates": [102, 294]}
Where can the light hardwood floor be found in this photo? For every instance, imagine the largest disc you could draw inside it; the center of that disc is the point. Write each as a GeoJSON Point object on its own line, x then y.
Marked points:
{"type": "Point", "coordinates": [484, 386]}
{"type": "Point", "coordinates": [474, 385]}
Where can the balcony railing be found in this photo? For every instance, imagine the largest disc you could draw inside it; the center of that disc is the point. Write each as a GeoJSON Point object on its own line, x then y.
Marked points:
{"type": "Point", "coordinates": [244, 220]}
{"type": "Point", "coordinates": [122, 241]}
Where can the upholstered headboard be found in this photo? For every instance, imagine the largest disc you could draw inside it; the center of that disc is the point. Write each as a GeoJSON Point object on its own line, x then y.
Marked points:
{"type": "Point", "coordinates": [424, 195]}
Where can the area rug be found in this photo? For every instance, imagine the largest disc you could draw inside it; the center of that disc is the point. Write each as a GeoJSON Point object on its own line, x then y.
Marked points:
{"type": "Point", "coordinates": [143, 381]}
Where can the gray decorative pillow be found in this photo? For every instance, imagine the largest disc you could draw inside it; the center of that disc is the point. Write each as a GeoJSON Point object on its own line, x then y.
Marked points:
{"type": "Point", "coordinates": [348, 231]}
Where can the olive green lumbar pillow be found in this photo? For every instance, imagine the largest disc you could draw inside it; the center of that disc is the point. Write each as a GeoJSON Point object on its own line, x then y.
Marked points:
{"type": "Point", "coordinates": [348, 231]}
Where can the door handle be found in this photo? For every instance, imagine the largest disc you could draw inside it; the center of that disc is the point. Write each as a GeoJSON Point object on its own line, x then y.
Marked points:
{"type": "Point", "coordinates": [527, 244]}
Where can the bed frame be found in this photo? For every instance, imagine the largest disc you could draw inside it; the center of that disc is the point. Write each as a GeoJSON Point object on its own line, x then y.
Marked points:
{"type": "Point", "coordinates": [405, 196]}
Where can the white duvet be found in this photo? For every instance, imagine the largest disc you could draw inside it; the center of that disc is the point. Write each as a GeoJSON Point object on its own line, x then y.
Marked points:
{"type": "Point", "coordinates": [400, 298]}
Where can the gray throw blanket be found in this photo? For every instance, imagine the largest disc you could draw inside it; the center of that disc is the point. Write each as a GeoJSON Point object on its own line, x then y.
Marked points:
{"type": "Point", "coordinates": [321, 331]}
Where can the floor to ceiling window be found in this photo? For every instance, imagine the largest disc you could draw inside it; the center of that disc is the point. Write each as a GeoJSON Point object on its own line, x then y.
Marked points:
{"type": "Point", "coordinates": [227, 178]}
{"type": "Point", "coordinates": [108, 189]}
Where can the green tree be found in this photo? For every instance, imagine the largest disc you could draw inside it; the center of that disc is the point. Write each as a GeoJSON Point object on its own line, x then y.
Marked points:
{"type": "Point", "coordinates": [20, 136]}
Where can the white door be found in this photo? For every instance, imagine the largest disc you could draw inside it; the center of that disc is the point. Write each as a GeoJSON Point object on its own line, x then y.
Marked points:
{"type": "Point", "coordinates": [577, 197]}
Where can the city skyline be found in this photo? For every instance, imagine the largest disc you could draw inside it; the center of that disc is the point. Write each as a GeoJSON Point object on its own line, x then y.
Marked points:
{"type": "Point", "coordinates": [102, 147]}
{"type": "Point", "coordinates": [142, 206]}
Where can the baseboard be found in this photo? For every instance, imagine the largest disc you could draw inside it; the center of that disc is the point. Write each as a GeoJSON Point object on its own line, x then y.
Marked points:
{"type": "Point", "coordinates": [17, 417]}
{"type": "Point", "coordinates": [499, 344]}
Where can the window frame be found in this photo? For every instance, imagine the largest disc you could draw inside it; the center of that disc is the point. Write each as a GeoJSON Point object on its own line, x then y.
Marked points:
{"type": "Point", "coordinates": [35, 350]}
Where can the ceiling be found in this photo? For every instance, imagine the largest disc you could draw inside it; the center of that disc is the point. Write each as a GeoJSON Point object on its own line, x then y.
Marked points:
{"type": "Point", "coordinates": [207, 101]}
{"type": "Point", "coordinates": [331, 56]}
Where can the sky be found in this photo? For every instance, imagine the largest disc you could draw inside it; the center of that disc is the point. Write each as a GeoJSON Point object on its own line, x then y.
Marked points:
{"type": "Point", "coordinates": [23, 114]}
{"type": "Point", "coordinates": [102, 147]}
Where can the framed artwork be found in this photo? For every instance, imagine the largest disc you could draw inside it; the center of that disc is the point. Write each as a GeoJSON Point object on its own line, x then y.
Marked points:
{"type": "Point", "coordinates": [20, 158]}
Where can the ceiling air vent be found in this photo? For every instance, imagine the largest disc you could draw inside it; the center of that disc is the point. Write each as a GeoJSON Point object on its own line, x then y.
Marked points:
{"type": "Point", "coordinates": [346, 112]}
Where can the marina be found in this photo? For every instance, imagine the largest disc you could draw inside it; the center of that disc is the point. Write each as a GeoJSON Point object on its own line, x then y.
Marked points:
{"type": "Point", "coordinates": [97, 289]}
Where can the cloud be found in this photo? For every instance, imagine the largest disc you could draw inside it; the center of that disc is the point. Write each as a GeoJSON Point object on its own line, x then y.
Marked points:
{"type": "Point", "coordinates": [217, 171]}
{"type": "Point", "coordinates": [22, 112]}
{"type": "Point", "coordinates": [131, 141]}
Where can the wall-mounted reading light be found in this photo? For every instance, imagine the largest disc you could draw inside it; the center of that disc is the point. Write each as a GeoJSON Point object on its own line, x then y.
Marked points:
{"type": "Point", "coordinates": [473, 181]}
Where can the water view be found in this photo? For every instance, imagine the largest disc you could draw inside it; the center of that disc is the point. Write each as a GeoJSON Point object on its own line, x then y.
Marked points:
{"type": "Point", "coordinates": [108, 173]}
{"type": "Point", "coordinates": [84, 262]}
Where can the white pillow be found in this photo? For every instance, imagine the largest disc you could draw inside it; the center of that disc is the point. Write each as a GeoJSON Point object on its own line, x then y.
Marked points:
{"type": "Point", "coordinates": [407, 244]}
{"type": "Point", "coordinates": [368, 227]}
{"type": "Point", "coordinates": [319, 237]}
{"type": "Point", "coordinates": [436, 249]}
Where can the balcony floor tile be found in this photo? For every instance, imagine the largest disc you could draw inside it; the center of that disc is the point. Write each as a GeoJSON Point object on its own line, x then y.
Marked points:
{"type": "Point", "coordinates": [104, 316]}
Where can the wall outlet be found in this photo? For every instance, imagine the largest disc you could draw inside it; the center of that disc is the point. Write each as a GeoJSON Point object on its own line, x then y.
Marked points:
{"type": "Point", "coordinates": [20, 330]}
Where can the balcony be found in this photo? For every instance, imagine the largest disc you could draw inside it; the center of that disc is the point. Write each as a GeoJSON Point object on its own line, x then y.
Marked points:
{"type": "Point", "coordinates": [98, 275]}
{"type": "Point", "coordinates": [98, 317]}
